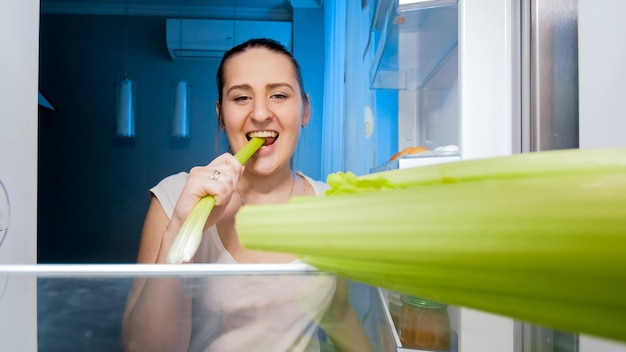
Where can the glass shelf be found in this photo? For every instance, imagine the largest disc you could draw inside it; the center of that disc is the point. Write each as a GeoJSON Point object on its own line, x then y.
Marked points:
{"type": "Point", "coordinates": [73, 307]}
{"type": "Point", "coordinates": [412, 44]}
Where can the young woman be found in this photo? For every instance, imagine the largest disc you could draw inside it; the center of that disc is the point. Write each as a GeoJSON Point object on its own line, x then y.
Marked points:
{"type": "Point", "coordinates": [260, 93]}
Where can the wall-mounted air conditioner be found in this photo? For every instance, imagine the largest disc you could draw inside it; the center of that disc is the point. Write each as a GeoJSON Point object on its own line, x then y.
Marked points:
{"type": "Point", "coordinates": [209, 39]}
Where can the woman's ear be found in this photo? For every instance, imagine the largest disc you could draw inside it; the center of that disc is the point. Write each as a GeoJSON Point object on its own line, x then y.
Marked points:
{"type": "Point", "coordinates": [218, 112]}
{"type": "Point", "coordinates": [306, 114]}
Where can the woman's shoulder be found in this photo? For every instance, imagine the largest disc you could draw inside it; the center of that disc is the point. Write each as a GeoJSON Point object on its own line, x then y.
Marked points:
{"type": "Point", "coordinates": [319, 186]}
{"type": "Point", "coordinates": [168, 190]}
{"type": "Point", "coordinates": [176, 181]}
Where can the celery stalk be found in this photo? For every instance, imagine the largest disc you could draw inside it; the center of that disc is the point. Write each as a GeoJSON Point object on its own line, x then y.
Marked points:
{"type": "Point", "coordinates": [189, 237]}
{"type": "Point", "coordinates": [539, 237]}
{"type": "Point", "coordinates": [528, 165]}
{"type": "Point", "coordinates": [249, 149]}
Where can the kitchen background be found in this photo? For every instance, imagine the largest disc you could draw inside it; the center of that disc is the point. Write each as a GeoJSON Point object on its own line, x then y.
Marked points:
{"type": "Point", "coordinates": [92, 185]}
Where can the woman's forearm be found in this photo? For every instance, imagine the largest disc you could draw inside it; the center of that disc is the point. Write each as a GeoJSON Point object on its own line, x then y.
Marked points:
{"type": "Point", "coordinates": [342, 324]}
{"type": "Point", "coordinates": [348, 334]}
{"type": "Point", "coordinates": [160, 319]}
{"type": "Point", "coordinates": [158, 309]}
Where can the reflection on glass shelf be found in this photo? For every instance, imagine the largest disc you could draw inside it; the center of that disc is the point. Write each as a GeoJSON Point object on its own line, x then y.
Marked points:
{"type": "Point", "coordinates": [233, 307]}
{"type": "Point", "coordinates": [81, 307]}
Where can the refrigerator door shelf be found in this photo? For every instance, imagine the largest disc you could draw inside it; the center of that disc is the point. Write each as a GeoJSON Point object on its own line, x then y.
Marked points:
{"type": "Point", "coordinates": [388, 338]}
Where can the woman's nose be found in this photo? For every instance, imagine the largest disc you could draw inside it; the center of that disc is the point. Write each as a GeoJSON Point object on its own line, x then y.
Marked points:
{"type": "Point", "coordinates": [260, 111]}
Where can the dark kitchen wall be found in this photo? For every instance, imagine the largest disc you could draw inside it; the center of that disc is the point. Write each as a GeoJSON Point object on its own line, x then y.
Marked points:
{"type": "Point", "coordinates": [92, 186]}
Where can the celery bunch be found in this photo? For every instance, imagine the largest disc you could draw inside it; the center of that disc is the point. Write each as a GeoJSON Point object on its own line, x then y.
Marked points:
{"type": "Point", "coordinates": [189, 236]}
{"type": "Point", "coordinates": [539, 237]}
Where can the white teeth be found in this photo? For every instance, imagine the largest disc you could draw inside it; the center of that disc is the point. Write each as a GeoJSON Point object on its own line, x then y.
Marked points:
{"type": "Point", "coordinates": [264, 134]}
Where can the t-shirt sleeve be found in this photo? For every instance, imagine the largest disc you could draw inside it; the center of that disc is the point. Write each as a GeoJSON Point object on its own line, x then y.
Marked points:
{"type": "Point", "coordinates": [319, 186]}
{"type": "Point", "coordinates": [168, 190]}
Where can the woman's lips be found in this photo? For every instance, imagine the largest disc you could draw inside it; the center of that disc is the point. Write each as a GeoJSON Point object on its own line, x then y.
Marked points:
{"type": "Point", "coordinates": [270, 136]}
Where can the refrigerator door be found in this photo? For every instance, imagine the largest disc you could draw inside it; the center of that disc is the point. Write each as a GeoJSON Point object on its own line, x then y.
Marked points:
{"type": "Point", "coordinates": [550, 73]}
{"type": "Point", "coordinates": [549, 112]}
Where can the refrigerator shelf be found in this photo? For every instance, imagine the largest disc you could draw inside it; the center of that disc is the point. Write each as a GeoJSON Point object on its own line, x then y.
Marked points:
{"type": "Point", "coordinates": [416, 161]}
{"type": "Point", "coordinates": [388, 338]}
{"type": "Point", "coordinates": [400, 66]}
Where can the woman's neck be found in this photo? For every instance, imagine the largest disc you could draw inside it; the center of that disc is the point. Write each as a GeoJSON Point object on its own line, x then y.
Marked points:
{"type": "Point", "coordinates": [276, 188]}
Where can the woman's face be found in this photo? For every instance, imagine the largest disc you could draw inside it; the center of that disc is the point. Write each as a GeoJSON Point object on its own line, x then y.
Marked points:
{"type": "Point", "coordinates": [262, 97]}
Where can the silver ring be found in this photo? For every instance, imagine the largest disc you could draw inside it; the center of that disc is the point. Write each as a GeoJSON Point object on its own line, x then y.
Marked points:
{"type": "Point", "coordinates": [214, 175]}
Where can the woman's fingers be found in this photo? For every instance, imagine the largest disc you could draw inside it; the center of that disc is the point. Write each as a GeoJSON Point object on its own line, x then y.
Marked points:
{"type": "Point", "coordinates": [218, 179]}
{"type": "Point", "coordinates": [215, 175]}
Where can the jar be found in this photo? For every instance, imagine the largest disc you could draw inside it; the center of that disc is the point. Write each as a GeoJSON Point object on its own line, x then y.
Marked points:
{"type": "Point", "coordinates": [424, 324]}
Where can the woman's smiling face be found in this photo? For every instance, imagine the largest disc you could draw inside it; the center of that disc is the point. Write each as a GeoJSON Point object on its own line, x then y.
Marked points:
{"type": "Point", "coordinates": [262, 97]}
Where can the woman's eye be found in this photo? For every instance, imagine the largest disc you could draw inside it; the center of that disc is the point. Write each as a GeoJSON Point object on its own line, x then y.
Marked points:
{"type": "Point", "coordinates": [242, 98]}
{"type": "Point", "coordinates": [278, 96]}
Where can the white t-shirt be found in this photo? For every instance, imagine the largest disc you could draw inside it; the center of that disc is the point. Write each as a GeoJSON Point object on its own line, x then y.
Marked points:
{"type": "Point", "coordinates": [250, 312]}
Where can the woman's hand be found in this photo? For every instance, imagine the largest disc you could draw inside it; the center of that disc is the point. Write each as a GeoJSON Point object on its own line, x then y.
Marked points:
{"type": "Point", "coordinates": [218, 179]}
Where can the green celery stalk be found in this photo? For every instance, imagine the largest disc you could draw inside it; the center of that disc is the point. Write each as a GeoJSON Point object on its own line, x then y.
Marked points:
{"type": "Point", "coordinates": [540, 237]}
{"type": "Point", "coordinates": [550, 307]}
{"type": "Point", "coordinates": [249, 149]}
{"type": "Point", "coordinates": [189, 236]}
{"type": "Point", "coordinates": [526, 165]}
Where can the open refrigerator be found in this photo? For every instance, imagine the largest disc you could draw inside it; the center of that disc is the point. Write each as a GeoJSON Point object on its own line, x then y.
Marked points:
{"type": "Point", "coordinates": [79, 308]}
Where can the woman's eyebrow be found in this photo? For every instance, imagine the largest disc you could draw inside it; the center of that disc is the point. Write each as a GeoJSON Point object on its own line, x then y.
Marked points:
{"type": "Point", "coordinates": [278, 85]}
{"type": "Point", "coordinates": [269, 86]}
{"type": "Point", "coordinates": [240, 87]}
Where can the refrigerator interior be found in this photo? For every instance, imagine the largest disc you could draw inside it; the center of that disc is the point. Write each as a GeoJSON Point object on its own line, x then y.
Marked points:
{"type": "Point", "coordinates": [417, 55]}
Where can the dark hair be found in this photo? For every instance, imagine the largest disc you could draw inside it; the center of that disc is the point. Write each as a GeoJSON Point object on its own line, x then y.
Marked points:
{"type": "Point", "coordinates": [267, 43]}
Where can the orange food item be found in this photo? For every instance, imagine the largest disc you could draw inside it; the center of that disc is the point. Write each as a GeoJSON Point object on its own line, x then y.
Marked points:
{"type": "Point", "coordinates": [424, 325]}
{"type": "Point", "coordinates": [408, 151]}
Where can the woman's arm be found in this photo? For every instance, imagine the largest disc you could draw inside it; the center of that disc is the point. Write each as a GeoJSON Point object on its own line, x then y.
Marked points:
{"type": "Point", "coordinates": [158, 312]}
{"type": "Point", "coordinates": [157, 316]}
{"type": "Point", "coordinates": [342, 325]}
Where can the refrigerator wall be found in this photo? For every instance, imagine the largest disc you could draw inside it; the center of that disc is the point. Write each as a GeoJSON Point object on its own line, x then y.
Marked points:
{"type": "Point", "coordinates": [431, 103]}
{"type": "Point", "coordinates": [486, 60]}
{"type": "Point", "coordinates": [18, 164]}
{"type": "Point", "coordinates": [602, 54]}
